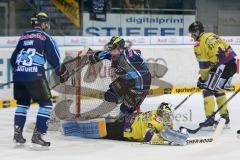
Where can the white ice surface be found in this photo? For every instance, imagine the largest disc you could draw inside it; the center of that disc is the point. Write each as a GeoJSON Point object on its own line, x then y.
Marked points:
{"type": "Point", "coordinates": [68, 148]}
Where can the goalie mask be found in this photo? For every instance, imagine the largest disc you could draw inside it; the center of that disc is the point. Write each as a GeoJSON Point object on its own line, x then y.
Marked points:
{"type": "Point", "coordinates": [165, 112]}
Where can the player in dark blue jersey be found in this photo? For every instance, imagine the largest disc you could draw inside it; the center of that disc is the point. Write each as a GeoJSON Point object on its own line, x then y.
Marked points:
{"type": "Point", "coordinates": [33, 50]}
{"type": "Point", "coordinates": [134, 78]}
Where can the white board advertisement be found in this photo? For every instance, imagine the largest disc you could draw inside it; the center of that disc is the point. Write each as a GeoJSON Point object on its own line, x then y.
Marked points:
{"type": "Point", "coordinates": [138, 25]}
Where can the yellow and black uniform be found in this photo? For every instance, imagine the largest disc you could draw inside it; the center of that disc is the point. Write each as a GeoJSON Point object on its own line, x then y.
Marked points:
{"type": "Point", "coordinates": [211, 51]}
{"type": "Point", "coordinates": [144, 127]}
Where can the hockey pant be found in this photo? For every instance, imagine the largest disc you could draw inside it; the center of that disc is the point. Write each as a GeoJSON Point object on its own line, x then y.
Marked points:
{"type": "Point", "coordinates": [221, 77]}
{"type": "Point", "coordinates": [122, 91]}
{"type": "Point", "coordinates": [39, 92]}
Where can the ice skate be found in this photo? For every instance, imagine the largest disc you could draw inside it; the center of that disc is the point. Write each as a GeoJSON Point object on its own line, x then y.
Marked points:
{"type": "Point", "coordinates": [209, 125]}
{"type": "Point", "coordinates": [37, 142]}
{"type": "Point", "coordinates": [18, 137]}
{"type": "Point", "coordinates": [226, 117]}
{"type": "Point", "coordinates": [238, 134]}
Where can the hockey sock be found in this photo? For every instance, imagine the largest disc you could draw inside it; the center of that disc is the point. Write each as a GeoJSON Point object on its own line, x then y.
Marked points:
{"type": "Point", "coordinates": [220, 101]}
{"type": "Point", "coordinates": [209, 105]}
{"type": "Point", "coordinates": [43, 115]}
{"type": "Point", "coordinates": [20, 115]}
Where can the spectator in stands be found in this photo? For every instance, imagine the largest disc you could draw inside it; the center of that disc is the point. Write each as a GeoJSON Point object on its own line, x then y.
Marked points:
{"type": "Point", "coordinates": [134, 6]}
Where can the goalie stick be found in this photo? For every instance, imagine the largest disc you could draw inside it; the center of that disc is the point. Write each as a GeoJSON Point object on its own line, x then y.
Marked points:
{"type": "Point", "coordinates": [193, 131]}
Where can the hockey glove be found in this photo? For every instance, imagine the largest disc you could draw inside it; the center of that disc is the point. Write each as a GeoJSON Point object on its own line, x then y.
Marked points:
{"type": "Point", "coordinates": [201, 83]}
{"type": "Point", "coordinates": [98, 56]}
{"type": "Point", "coordinates": [64, 74]}
{"type": "Point", "coordinates": [93, 59]}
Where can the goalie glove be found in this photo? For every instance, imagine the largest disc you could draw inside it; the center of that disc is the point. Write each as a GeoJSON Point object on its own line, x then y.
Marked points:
{"type": "Point", "coordinates": [175, 137]}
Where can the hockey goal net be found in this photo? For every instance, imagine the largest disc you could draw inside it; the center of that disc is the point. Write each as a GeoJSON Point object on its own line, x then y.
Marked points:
{"type": "Point", "coordinates": [85, 88]}
{"type": "Point", "coordinates": [88, 85]}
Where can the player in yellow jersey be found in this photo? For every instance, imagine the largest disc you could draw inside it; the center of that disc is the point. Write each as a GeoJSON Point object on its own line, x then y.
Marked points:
{"type": "Point", "coordinates": [153, 126]}
{"type": "Point", "coordinates": [216, 67]}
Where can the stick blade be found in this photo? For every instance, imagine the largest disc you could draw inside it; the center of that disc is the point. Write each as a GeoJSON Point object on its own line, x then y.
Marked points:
{"type": "Point", "coordinates": [218, 129]}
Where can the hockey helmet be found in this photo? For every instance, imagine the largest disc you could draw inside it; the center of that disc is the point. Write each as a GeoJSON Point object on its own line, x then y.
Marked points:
{"type": "Point", "coordinates": [39, 17]}
{"type": "Point", "coordinates": [116, 42]}
{"type": "Point", "coordinates": [196, 26]}
{"type": "Point", "coordinates": [165, 112]}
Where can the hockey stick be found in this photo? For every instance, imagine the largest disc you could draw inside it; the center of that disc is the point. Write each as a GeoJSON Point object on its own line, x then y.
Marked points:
{"type": "Point", "coordinates": [193, 131]}
{"type": "Point", "coordinates": [84, 61]}
{"type": "Point", "coordinates": [4, 84]}
{"type": "Point", "coordinates": [7, 83]}
{"type": "Point", "coordinates": [214, 136]}
{"type": "Point", "coordinates": [186, 98]}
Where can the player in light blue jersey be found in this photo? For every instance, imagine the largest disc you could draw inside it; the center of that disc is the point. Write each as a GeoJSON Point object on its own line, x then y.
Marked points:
{"type": "Point", "coordinates": [33, 50]}
{"type": "Point", "coordinates": [134, 78]}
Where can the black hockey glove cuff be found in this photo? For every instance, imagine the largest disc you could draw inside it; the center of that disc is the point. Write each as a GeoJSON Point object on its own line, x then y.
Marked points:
{"type": "Point", "coordinates": [201, 83]}
{"type": "Point", "coordinates": [64, 74]}
{"type": "Point", "coordinates": [93, 59]}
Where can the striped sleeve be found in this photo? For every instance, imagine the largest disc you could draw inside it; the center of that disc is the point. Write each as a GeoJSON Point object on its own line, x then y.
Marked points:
{"type": "Point", "coordinates": [52, 53]}
{"type": "Point", "coordinates": [133, 73]}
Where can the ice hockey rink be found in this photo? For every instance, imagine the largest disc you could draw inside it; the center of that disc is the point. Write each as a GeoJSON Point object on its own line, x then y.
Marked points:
{"type": "Point", "coordinates": [189, 114]}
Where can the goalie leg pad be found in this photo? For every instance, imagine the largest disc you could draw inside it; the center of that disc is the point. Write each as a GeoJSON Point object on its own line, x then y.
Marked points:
{"type": "Point", "coordinates": [95, 128]}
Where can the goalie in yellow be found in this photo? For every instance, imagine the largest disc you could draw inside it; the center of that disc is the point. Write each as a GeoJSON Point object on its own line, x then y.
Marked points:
{"type": "Point", "coordinates": [153, 126]}
{"type": "Point", "coordinates": [217, 66]}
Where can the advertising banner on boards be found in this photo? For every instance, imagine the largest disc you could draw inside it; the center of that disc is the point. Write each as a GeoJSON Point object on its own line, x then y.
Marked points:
{"type": "Point", "coordinates": [138, 25]}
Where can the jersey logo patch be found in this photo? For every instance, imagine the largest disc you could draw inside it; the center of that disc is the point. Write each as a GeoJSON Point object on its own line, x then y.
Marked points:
{"type": "Point", "coordinates": [28, 43]}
